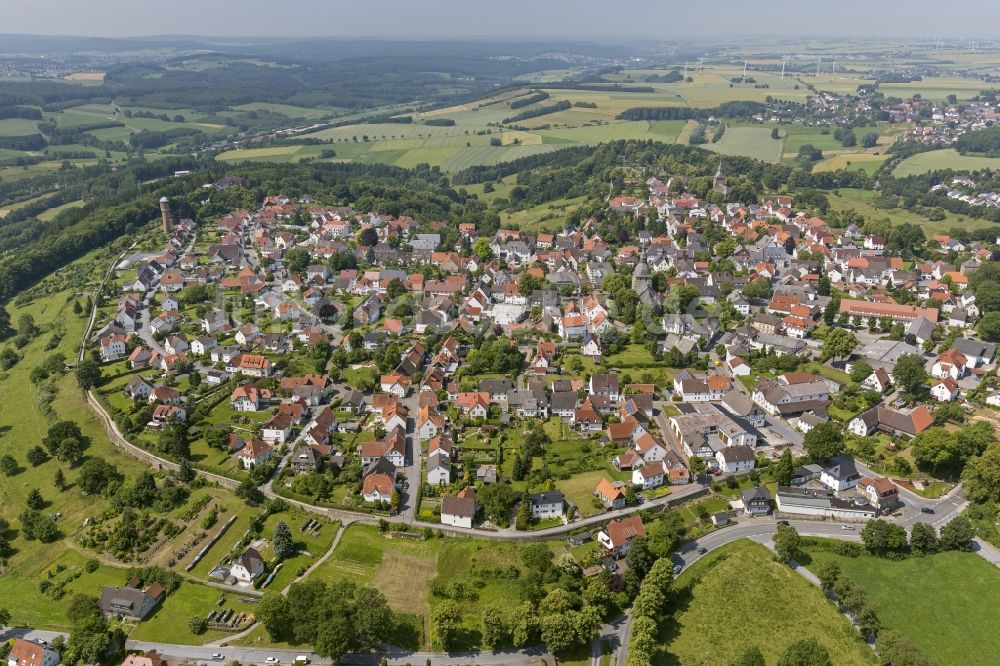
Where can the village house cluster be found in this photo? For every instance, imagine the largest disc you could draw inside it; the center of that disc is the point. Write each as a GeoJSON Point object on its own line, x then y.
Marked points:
{"type": "Point", "coordinates": [761, 276]}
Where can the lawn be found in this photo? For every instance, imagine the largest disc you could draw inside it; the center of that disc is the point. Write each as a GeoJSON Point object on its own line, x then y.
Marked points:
{"type": "Point", "coordinates": [739, 596]}
{"type": "Point", "coordinates": [939, 602]}
{"type": "Point", "coordinates": [310, 547]}
{"type": "Point", "coordinates": [169, 622]}
{"type": "Point", "coordinates": [579, 490]}
{"type": "Point", "coordinates": [946, 158]}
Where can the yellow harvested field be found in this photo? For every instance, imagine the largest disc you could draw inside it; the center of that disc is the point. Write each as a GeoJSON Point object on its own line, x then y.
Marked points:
{"type": "Point", "coordinates": [85, 76]}
{"type": "Point", "coordinates": [403, 579]}
{"type": "Point", "coordinates": [525, 138]}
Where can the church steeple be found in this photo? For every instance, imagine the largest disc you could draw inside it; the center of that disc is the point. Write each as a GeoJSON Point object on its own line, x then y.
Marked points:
{"type": "Point", "coordinates": [719, 181]}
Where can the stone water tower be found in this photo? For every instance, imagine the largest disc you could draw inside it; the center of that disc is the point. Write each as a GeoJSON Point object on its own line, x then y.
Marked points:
{"type": "Point", "coordinates": [165, 213]}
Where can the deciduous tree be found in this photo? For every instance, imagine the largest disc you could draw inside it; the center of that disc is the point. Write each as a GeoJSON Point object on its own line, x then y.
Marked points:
{"type": "Point", "coordinates": [805, 652]}
{"type": "Point", "coordinates": [787, 542]}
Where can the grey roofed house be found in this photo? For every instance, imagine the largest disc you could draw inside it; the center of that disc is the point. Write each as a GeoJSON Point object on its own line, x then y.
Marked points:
{"type": "Point", "coordinates": [435, 462]}
{"type": "Point", "coordinates": [739, 404]}
{"type": "Point", "coordinates": [251, 560]}
{"type": "Point", "coordinates": [130, 602]}
{"type": "Point", "coordinates": [844, 469]}
{"type": "Point", "coordinates": [756, 493]}
{"type": "Point", "coordinates": [453, 505]}
{"type": "Point", "coordinates": [304, 459]}
{"type": "Point", "coordinates": [486, 473]}
{"type": "Point", "coordinates": [812, 420]}
{"type": "Point", "coordinates": [806, 473]}
{"type": "Point", "coordinates": [353, 399]}
{"type": "Point", "coordinates": [562, 401]}
{"type": "Point", "coordinates": [886, 351]}
{"type": "Point", "coordinates": [550, 498]}
{"type": "Point", "coordinates": [756, 500]}
{"type": "Point", "coordinates": [973, 348]}
{"type": "Point", "coordinates": [683, 345]}
{"type": "Point", "coordinates": [782, 345]}
{"type": "Point", "coordinates": [921, 328]}
{"type": "Point", "coordinates": [380, 466]}
{"type": "Point", "coordinates": [496, 387]}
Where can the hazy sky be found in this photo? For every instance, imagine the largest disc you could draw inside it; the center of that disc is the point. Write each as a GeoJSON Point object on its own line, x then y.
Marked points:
{"type": "Point", "coordinates": [569, 19]}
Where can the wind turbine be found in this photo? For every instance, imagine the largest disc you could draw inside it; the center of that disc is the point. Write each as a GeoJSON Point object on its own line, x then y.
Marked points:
{"type": "Point", "coordinates": [817, 66]}
{"type": "Point", "coordinates": [744, 80]}
{"type": "Point", "coordinates": [783, 69]}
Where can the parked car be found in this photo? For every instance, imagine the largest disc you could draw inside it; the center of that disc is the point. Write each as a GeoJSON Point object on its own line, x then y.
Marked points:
{"type": "Point", "coordinates": [272, 660]}
{"type": "Point", "coordinates": [847, 527]}
{"type": "Point", "coordinates": [783, 522]}
{"type": "Point", "coordinates": [677, 568]}
{"type": "Point", "coordinates": [218, 656]}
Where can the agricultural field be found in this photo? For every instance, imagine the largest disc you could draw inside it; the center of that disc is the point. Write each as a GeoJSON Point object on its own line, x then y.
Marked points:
{"type": "Point", "coordinates": [753, 142]}
{"type": "Point", "coordinates": [17, 126]}
{"type": "Point", "coordinates": [711, 624]}
{"type": "Point", "coordinates": [938, 601]}
{"type": "Point", "coordinates": [946, 158]}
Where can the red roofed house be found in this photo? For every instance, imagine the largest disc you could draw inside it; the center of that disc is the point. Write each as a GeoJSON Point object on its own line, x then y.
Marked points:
{"type": "Point", "coordinates": [148, 659]}
{"type": "Point", "coordinates": [618, 535]}
{"type": "Point", "coordinates": [881, 492]}
{"type": "Point", "coordinates": [945, 390]}
{"type": "Point", "coordinates": [254, 453]}
{"type": "Point", "coordinates": [611, 494]}
{"type": "Point", "coordinates": [29, 653]}
{"type": "Point", "coordinates": [475, 404]}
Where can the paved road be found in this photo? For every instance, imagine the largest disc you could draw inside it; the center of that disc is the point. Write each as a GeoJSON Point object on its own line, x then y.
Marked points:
{"type": "Point", "coordinates": [760, 528]}
{"type": "Point", "coordinates": [408, 505]}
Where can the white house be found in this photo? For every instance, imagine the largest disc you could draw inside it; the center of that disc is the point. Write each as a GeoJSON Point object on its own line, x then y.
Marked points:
{"type": "Point", "coordinates": [113, 348]}
{"type": "Point", "coordinates": [439, 470]}
{"type": "Point", "coordinates": [877, 381]}
{"type": "Point", "coordinates": [547, 505]}
{"type": "Point", "coordinates": [649, 476]}
{"type": "Point", "coordinates": [735, 458]}
{"type": "Point", "coordinates": [248, 567]}
{"type": "Point", "coordinates": [945, 390]}
{"type": "Point", "coordinates": [841, 476]}
{"type": "Point", "coordinates": [459, 510]}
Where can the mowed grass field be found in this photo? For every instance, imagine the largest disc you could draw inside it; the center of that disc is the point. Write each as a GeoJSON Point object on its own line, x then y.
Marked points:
{"type": "Point", "coordinates": [737, 597]}
{"type": "Point", "coordinates": [946, 158]}
{"type": "Point", "coordinates": [402, 569]}
{"type": "Point", "coordinates": [948, 604]}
